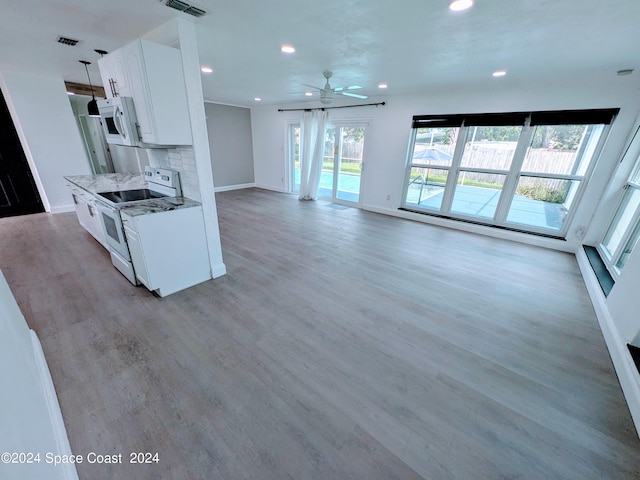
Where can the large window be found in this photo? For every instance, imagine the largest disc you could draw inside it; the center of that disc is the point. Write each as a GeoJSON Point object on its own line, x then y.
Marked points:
{"type": "Point", "coordinates": [624, 231]}
{"type": "Point", "coordinates": [523, 171]}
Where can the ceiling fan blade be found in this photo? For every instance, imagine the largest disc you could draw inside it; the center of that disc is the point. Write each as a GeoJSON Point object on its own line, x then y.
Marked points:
{"type": "Point", "coordinates": [354, 95]}
{"type": "Point", "coordinates": [350, 87]}
{"type": "Point", "coordinates": [311, 86]}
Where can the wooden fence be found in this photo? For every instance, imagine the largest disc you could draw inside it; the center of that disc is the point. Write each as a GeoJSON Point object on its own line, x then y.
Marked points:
{"type": "Point", "coordinates": [498, 156]}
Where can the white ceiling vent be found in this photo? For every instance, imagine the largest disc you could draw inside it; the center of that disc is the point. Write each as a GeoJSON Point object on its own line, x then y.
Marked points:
{"type": "Point", "coordinates": [185, 7]}
{"type": "Point", "coordinates": [67, 41]}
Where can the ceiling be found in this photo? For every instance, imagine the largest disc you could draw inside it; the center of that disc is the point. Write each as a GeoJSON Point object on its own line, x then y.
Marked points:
{"type": "Point", "coordinates": [414, 46]}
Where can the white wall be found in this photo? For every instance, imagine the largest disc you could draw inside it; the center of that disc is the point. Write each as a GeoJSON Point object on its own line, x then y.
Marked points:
{"type": "Point", "coordinates": [31, 418]}
{"type": "Point", "coordinates": [388, 135]}
{"type": "Point", "coordinates": [43, 117]}
{"type": "Point", "coordinates": [229, 131]}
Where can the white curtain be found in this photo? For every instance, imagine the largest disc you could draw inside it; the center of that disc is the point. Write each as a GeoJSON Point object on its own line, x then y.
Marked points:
{"type": "Point", "coordinates": [311, 152]}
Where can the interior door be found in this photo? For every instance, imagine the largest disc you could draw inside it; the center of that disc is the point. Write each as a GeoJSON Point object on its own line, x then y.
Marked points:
{"type": "Point", "coordinates": [343, 164]}
{"type": "Point", "coordinates": [18, 192]}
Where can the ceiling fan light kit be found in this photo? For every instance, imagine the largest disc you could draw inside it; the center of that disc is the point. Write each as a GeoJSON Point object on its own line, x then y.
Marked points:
{"type": "Point", "coordinates": [327, 93]}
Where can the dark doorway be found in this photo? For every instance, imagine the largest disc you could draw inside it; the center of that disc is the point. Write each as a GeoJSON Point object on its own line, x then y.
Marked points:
{"type": "Point", "coordinates": [18, 192]}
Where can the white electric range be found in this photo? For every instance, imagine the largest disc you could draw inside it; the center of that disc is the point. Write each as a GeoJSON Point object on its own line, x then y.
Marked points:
{"type": "Point", "coordinates": [160, 182]}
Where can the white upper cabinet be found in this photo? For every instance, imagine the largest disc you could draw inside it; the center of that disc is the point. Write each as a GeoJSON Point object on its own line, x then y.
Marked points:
{"type": "Point", "coordinates": [114, 75]}
{"type": "Point", "coordinates": [152, 75]}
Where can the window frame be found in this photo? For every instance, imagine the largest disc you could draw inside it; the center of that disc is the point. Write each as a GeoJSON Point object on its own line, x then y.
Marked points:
{"type": "Point", "coordinates": [530, 120]}
{"type": "Point", "coordinates": [611, 259]}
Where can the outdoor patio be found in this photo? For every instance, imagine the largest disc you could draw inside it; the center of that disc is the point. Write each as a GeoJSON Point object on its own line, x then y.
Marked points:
{"type": "Point", "coordinates": [482, 202]}
{"type": "Point", "coordinates": [469, 201]}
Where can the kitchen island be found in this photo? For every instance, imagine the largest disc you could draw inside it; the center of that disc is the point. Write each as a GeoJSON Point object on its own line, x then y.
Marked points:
{"type": "Point", "coordinates": [159, 242]}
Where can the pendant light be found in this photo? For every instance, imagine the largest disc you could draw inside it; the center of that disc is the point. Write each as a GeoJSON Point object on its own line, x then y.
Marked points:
{"type": "Point", "coordinates": [92, 106]}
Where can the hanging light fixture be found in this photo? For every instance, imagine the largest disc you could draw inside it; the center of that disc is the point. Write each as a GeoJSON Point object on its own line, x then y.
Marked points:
{"type": "Point", "coordinates": [92, 106]}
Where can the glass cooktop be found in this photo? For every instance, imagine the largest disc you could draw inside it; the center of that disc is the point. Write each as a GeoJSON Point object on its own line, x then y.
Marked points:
{"type": "Point", "coordinates": [131, 195]}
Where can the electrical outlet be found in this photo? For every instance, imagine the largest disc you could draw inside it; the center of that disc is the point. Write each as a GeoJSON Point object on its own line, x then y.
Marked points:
{"type": "Point", "coordinates": [388, 197]}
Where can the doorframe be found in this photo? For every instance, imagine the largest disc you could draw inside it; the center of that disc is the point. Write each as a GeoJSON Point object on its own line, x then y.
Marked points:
{"type": "Point", "coordinates": [25, 147]}
{"type": "Point", "coordinates": [341, 123]}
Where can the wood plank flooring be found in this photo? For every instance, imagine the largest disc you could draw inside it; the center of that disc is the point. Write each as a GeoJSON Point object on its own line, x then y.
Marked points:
{"type": "Point", "coordinates": [340, 345]}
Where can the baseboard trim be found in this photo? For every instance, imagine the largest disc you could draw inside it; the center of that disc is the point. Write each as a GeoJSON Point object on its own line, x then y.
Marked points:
{"type": "Point", "coordinates": [55, 415]}
{"type": "Point", "coordinates": [513, 236]}
{"type": "Point", "coordinates": [219, 270]}
{"type": "Point", "coordinates": [63, 209]}
{"type": "Point", "coordinates": [239, 186]}
{"type": "Point", "coordinates": [270, 187]}
{"type": "Point", "coordinates": [618, 351]}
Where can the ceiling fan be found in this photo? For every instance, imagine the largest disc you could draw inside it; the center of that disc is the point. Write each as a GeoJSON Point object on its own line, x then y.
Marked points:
{"type": "Point", "coordinates": [327, 93]}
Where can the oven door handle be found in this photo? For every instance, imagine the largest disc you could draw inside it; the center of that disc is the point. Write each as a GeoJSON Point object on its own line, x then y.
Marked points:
{"type": "Point", "coordinates": [103, 207]}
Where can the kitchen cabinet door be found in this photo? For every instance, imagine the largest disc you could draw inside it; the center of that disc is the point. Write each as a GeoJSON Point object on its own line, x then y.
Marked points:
{"type": "Point", "coordinates": [137, 255]}
{"type": "Point", "coordinates": [159, 93]}
{"type": "Point", "coordinates": [88, 215]}
{"type": "Point", "coordinates": [168, 249]}
{"type": "Point", "coordinates": [114, 74]}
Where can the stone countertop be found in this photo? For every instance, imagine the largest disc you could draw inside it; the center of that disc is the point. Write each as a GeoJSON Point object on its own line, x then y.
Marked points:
{"type": "Point", "coordinates": [108, 182]}
{"type": "Point", "coordinates": [158, 205]}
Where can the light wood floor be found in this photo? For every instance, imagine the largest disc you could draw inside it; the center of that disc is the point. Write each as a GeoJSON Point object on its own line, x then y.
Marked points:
{"type": "Point", "coordinates": [340, 345]}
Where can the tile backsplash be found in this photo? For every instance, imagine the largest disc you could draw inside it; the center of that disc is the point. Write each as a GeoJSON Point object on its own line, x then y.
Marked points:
{"type": "Point", "coordinates": [182, 160]}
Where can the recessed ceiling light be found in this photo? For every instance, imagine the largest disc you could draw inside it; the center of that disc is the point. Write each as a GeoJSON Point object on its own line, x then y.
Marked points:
{"type": "Point", "coordinates": [258, 99]}
{"type": "Point", "coordinates": [308, 94]}
{"type": "Point", "coordinates": [382, 85]}
{"type": "Point", "coordinates": [205, 69]}
{"type": "Point", "coordinates": [460, 5]}
{"type": "Point", "coordinates": [287, 49]}
{"type": "Point", "coordinates": [499, 73]}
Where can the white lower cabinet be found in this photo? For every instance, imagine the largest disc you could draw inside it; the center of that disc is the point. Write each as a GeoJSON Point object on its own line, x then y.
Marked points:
{"type": "Point", "coordinates": [88, 214]}
{"type": "Point", "coordinates": [168, 249]}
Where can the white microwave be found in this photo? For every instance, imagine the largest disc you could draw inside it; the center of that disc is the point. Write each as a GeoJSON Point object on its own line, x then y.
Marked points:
{"type": "Point", "coordinates": [119, 121]}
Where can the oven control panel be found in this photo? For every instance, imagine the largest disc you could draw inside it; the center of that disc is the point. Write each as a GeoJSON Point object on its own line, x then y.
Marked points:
{"type": "Point", "coordinates": [162, 176]}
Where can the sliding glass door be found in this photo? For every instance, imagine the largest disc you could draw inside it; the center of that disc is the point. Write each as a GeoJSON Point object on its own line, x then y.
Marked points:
{"type": "Point", "coordinates": [342, 166]}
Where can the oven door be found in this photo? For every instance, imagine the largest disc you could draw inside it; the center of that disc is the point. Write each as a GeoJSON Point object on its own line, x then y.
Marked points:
{"type": "Point", "coordinates": [113, 230]}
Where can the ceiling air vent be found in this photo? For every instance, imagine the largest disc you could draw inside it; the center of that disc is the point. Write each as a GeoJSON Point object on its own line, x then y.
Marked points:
{"type": "Point", "coordinates": [185, 7]}
{"type": "Point", "coordinates": [67, 41]}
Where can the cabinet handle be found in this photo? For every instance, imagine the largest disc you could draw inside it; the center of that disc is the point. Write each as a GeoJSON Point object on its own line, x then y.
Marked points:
{"type": "Point", "coordinates": [114, 88]}
{"type": "Point", "coordinates": [75, 199]}
{"type": "Point", "coordinates": [111, 86]}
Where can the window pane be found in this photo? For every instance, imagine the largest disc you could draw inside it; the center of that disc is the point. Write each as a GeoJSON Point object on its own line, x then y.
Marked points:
{"type": "Point", "coordinates": [325, 189]}
{"type": "Point", "coordinates": [477, 194]}
{"type": "Point", "coordinates": [434, 146]}
{"type": "Point", "coordinates": [562, 149]}
{"type": "Point", "coordinates": [426, 186]}
{"type": "Point", "coordinates": [628, 248]}
{"type": "Point", "coordinates": [621, 220]}
{"type": "Point", "coordinates": [490, 147]}
{"type": "Point", "coordinates": [351, 150]}
{"type": "Point", "coordinates": [542, 202]}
